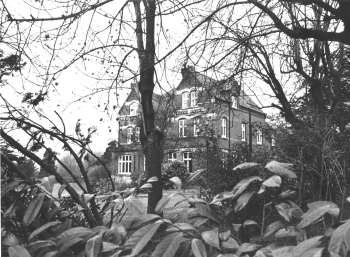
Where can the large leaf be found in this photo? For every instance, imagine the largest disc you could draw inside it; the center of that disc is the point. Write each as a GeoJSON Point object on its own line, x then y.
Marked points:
{"type": "Point", "coordinates": [248, 248]}
{"type": "Point", "coordinates": [273, 181]}
{"type": "Point", "coordinates": [272, 228]}
{"type": "Point", "coordinates": [281, 168]}
{"type": "Point", "coordinates": [180, 226]}
{"type": "Point", "coordinates": [65, 239]}
{"type": "Point", "coordinates": [93, 246]}
{"type": "Point", "coordinates": [316, 211]}
{"type": "Point", "coordinates": [339, 245]}
{"type": "Point", "coordinates": [313, 242]}
{"type": "Point", "coordinates": [18, 251]}
{"type": "Point", "coordinates": [143, 220]}
{"type": "Point", "coordinates": [198, 248]}
{"type": "Point", "coordinates": [33, 209]}
{"type": "Point", "coordinates": [196, 175]}
{"type": "Point", "coordinates": [241, 186]}
{"type": "Point", "coordinates": [174, 245]}
{"type": "Point", "coordinates": [108, 247]}
{"type": "Point", "coordinates": [314, 252]}
{"type": "Point", "coordinates": [221, 197]}
{"type": "Point", "coordinates": [246, 165]}
{"type": "Point", "coordinates": [289, 231]}
{"type": "Point", "coordinates": [39, 244]}
{"type": "Point", "coordinates": [43, 228]}
{"type": "Point", "coordinates": [285, 251]}
{"type": "Point", "coordinates": [9, 239]}
{"type": "Point", "coordinates": [51, 254]}
{"type": "Point", "coordinates": [164, 244]}
{"type": "Point", "coordinates": [176, 181]}
{"type": "Point", "coordinates": [173, 198]}
{"type": "Point", "coordinates": [230, 244]}
{"type": "Point", "coordinates": [289, 211]}
{"type": "Point", "coordinates": [203, 210]}
{"type": "Point", "coordinates": [68, 244]}
{"type": "Point", "coordinates": [140, 238]}
{"type": "Point", "coordinates": [243, 200]}
{"type": "Point", "coordinates": [211, 237]}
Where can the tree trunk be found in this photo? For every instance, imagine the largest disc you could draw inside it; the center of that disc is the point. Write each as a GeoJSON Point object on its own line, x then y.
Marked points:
{"type": "Point", "coordinates": [150, 137]}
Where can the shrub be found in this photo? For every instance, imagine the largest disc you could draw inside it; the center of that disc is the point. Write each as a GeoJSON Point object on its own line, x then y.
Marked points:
{"type": "Point", "coordinates": [258, 217]}
{"type": "Point", "coordinates": [173, 169]}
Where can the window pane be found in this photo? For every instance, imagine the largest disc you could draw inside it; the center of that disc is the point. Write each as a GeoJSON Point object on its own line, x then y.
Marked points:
{"type": "Point", "coordinates": [181, 127]}
{"type": "Point", "coordinates": [185, 100]}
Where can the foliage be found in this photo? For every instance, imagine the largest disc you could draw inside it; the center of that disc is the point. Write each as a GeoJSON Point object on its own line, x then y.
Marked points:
{"type": "Point", "coordinates": [173, 169]}
{"type": "Point", "coordinates": [189, 226]}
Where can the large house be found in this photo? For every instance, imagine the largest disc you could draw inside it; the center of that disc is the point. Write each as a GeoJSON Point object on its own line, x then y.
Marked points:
{"type": "Point", "coordinates": [200, 108]}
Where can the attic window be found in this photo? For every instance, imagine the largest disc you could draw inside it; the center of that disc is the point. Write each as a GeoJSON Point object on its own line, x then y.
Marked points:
{"type": "Point", "coordinates": [133, 109]}
{"type": "Point", "coordinates": [234, 100]}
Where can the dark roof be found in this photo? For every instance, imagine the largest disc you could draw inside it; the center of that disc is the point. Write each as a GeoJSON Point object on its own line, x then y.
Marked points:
{"type": "Point", "coordinates": [192, 78]}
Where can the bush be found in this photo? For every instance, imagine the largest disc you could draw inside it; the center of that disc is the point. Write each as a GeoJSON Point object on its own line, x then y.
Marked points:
{"type": "Point", "coordinates": [173, 169]}
{"type": "Point", "coordinates": [258, 217]}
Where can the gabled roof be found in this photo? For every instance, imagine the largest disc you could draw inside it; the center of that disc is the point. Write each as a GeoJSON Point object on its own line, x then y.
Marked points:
{"type": "Point", "coordinates": [134, 96]}
{"type": "Point", "coordinates": [192, 78]}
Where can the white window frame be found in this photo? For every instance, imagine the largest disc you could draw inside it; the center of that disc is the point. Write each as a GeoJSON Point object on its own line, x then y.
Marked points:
{"type": "Point", "coordinates": [234, 100]}
{"type": "Point", "coordinates": [187, 159]}
{"type": "Point", "coordinates": [224, 127]}
{"type": "Point", "coordinates": [185, 99]}
{"type": "Point", "coordinates": [182, 127]}
{"type": "Point", "coordinates": [243, 132]}
{"type": "Point", "coordinates": [137, 134]}
{"type": "Point", "coordinates": [133, 109]}
{"type": "Point", "coordinates": [194, 98]}
{"type": "Point", "coordinates": [172, 156]}
{"type": "Point", "coordinates": [129, 132]}
{"type": "Point", "coordinates": [125, 164]}
{"type": "Point", "coordinates": [259, 137]}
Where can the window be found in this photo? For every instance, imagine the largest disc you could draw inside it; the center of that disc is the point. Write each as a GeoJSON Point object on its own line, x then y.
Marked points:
{"type": "Point", "coordinates": [129, 135]}
{"type": "Point", "coordinates": [234, 101]}
{"type": "Point", "coordinates": [133, 109]}
{"type": "Point", "coordinates": [259, 137]}
{"type": "Point", "coordinates": [181, 127]}
{"type": "Point", "coordinates": [273, 140]}
{"type": "Point", "coordinates": [194, 98]}
{"type": "Point", "coordinates": [224, 127]}
{"type": "Point", "coordinates": [195, 127]}
{"type": "Point", "coordinates": [172, 156]}
{"type": "Point", "coordinates": [187, 159]}
{"type": "Point", "coordinates": [137, 134]}
{"type": "Point", "coordinates": [243, 132]}
{"type": "Point", "coordinates": [125, 162]}
{"type": "Point", "coordinates": [185, 100]}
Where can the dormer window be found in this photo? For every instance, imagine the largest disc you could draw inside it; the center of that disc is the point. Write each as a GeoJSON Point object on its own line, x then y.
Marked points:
{"type": "Point", "coordinates": [185, 100]}
{"type": "Point", "coordinates": [194, 98]}
{"type": "Point", "coordinates": [234, 100]}
{"type": "Point", "coordinates": [133, 109]}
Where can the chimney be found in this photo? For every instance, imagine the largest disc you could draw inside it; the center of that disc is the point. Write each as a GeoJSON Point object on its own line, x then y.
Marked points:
{"type": "Point", "coordinates": [187, 69]}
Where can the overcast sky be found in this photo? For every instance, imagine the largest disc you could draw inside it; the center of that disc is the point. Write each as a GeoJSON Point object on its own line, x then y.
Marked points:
{"type": "Point", "coordinates": [70, 97]}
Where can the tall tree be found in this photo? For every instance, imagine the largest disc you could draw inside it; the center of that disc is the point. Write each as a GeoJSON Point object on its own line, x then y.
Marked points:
{"type": "Point", "coordinates": [109, 32]}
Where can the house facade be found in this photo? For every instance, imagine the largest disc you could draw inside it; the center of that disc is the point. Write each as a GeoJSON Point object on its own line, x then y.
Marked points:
{"type": "Point", "coordinates": [198, 111]}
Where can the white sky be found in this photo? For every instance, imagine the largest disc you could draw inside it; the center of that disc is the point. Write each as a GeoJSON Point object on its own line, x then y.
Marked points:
{"type": "Point", "coordinates": [77, 82]}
